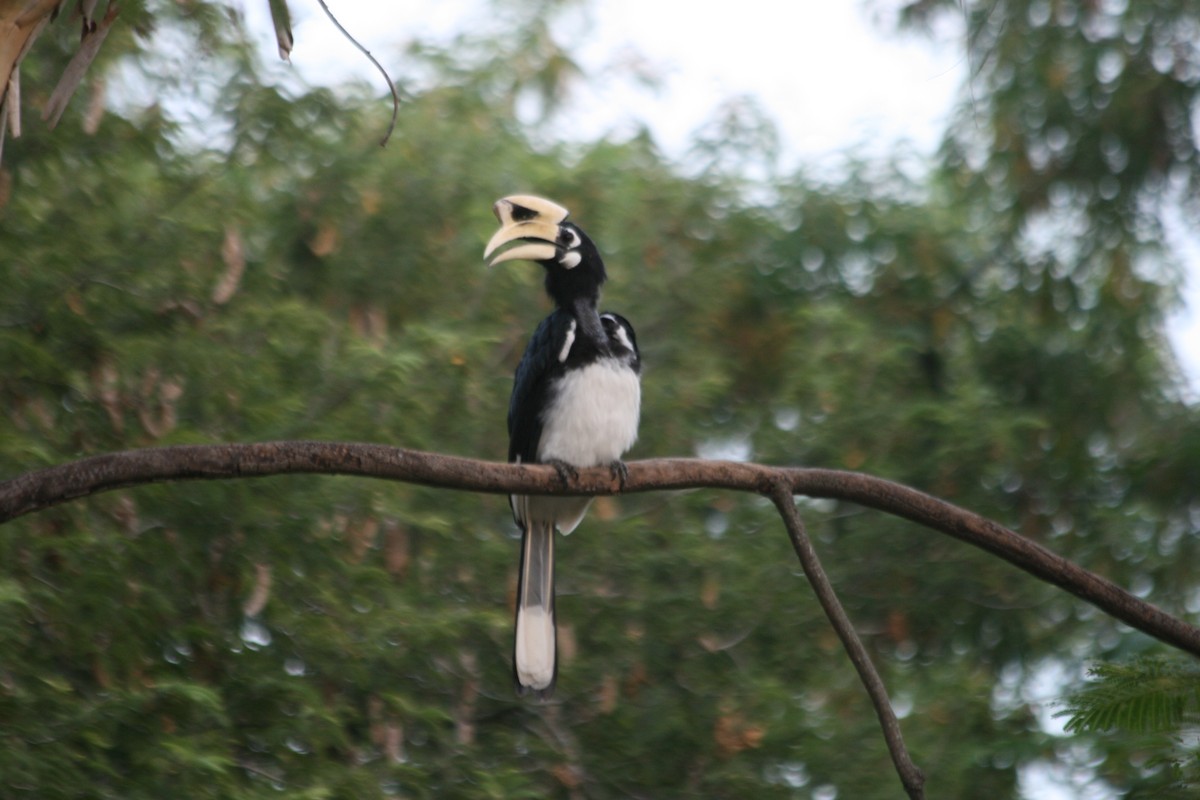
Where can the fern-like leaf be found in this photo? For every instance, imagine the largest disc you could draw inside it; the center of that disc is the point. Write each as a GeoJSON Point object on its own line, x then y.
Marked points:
{"type": "Point", "coordinates": [1145, 696]}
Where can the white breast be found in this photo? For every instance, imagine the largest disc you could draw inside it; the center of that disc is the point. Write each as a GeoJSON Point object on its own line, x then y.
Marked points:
{"type": "Point", "coordinates": [592, 417]}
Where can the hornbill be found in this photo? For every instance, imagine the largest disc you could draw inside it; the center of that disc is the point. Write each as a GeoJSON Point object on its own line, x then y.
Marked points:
{"type": "Point", "coordinates": [575, 402]}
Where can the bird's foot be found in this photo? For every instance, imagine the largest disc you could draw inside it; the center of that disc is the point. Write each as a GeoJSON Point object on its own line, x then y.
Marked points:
{"type": "Point", "coordinates": [619, 471]}
{"type": "Point", "coordinates": [566, 472]}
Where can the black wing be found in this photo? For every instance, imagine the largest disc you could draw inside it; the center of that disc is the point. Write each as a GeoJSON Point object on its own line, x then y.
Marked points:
{"type": "Point", "coordinates": [537, 370]}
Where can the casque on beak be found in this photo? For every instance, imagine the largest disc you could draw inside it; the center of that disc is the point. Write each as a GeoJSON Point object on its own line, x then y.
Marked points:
{"type": "Point", "coordinates": [533, 221]}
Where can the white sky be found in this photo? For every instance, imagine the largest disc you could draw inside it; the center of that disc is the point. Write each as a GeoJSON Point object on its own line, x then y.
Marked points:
{"type": "Point", "coordinates": [828, 77]}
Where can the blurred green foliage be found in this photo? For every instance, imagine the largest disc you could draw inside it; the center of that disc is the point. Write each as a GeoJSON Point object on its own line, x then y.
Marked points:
{"type": "Point", "coordinates": [990, 332]}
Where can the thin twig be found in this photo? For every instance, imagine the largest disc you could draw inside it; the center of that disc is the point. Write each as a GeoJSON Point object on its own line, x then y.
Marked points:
{"type": "Point", "coordinates": [910, 775]}
{"type": "Point", "coordinates": [391, 85]}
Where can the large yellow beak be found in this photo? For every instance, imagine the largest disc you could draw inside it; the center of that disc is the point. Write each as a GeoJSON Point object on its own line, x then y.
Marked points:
{"type": "Point", "coordinates": [533, 221]}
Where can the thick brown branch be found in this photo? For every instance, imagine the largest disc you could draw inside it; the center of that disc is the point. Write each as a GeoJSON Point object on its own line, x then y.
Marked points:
{"type": "Point", "coordinates": [910, 775]}
{"type": "Point", "coordinates": [48, 487]}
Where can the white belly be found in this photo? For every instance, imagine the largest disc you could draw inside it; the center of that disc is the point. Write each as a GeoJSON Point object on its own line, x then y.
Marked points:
{"type": "Point", "coordinates": [592, 420]}
{"type": "Point", "coordinates": [593, 416]}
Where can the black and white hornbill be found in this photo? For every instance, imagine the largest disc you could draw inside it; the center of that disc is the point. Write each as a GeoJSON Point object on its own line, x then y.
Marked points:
{"type": "Point", "coordinates": [575, 402]}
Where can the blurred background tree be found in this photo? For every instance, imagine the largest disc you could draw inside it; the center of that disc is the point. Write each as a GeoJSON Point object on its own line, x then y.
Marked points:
{"type": "Point", "coordinates": [990, 331]}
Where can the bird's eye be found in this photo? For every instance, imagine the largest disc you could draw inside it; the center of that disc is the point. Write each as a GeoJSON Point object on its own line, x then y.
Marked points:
{"type": "Point", "coordinates": [573, 239]}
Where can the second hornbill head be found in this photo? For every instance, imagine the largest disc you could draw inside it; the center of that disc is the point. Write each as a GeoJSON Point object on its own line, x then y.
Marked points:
{"type": "Point", "coordinates": [538, 230]}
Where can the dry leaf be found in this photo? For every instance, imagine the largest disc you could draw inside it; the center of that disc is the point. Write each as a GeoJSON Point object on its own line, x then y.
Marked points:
{"type": "Point", "coordinates": [78, 65]}
{"type": "Point", "coordinates": [325, 241]}
{"type": "Point", "coordinates": [568, 646]}
{"type": "Point", "coordinates": [95, 107]}
{"type": "Point", "coordinates": [21, 22]}
{"type": "Point", "coordinates": [233, 253]}
{"type": "Point", "coordinates": [710, 592]}
{"type": "Point", "coordinates": [464, 715]}
{"type": "Point", "coordinates": [362, 538]}
{"type": "Point", "coordinates": [372, 200]}
{"type": "Point", "coordinates": [898, 629]}
{"type": "Point", "coordinates": [567, 775]}
{"type": "Point", "coordinates": [393, 744]}
{"type": "Point", "coordinates": [605, 509]}
{"type": "Point", "coordinates": [733, 734]}
{"type": "Point", "coordinates": [397, 549]}
{"type": "Point", "coordinates": [636, 679]}
{"type": "Point", "coordinates": [12, 106]}
{"type": "Point", "coordinates": [609, 694]}
{"type": "Point", "coordinates": [105, 381]}
{"type": "Point", "coordinates": [282, 19]}
{"type": "Point", "coordinates": [261, 592]}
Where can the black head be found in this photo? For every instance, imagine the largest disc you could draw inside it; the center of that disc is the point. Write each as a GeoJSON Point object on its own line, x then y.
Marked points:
{"type": "Point", "coordinates": [622, 341]}
{"type": "Point", "coordinates": [538, 230]}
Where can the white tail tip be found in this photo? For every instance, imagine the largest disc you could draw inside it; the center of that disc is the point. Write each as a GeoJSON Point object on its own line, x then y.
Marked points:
{"type": "Point", "coordinates": [535, 648]}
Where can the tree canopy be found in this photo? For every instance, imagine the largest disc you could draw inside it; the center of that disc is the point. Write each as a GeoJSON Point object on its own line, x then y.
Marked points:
{"type": "Point", "coordinates": [990, 331]}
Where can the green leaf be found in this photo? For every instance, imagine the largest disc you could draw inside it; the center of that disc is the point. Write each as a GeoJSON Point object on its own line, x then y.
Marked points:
{"type": "Point", "coordinates": [1144, 696]}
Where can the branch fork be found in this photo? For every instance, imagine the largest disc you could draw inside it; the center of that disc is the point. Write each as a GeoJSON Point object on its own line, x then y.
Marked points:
{"type": "Point", "coordinates": [44, 488]}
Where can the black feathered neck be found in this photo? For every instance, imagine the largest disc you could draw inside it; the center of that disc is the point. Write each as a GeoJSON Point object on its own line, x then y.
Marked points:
{"type": "Point", "coordinates": [582, 282]}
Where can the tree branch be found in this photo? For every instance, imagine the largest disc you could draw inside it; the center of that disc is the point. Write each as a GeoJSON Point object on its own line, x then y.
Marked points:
{"type": "Point", "coordinates": [48, 487]}
{"type": "Point", "coordinates": [910, 775]}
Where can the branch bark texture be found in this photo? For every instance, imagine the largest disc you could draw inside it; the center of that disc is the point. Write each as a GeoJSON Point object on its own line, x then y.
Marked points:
{"type": "Point", "coordinates": [51, 486]}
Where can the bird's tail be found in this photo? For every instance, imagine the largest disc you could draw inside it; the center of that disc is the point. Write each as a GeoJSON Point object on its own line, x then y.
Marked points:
{"type": "Point", "coordinates": [534, 658]}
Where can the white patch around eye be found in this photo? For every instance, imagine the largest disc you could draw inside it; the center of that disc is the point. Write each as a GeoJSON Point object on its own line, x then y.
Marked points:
{"type": "Point", "coordinates": [568, 340]}
{"type": "Point", "coordinates": [619, 332]}
{"type": "Point", "coordinates": [623, 338]}
{"type": "Point", "coordinates": [570, 259]}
